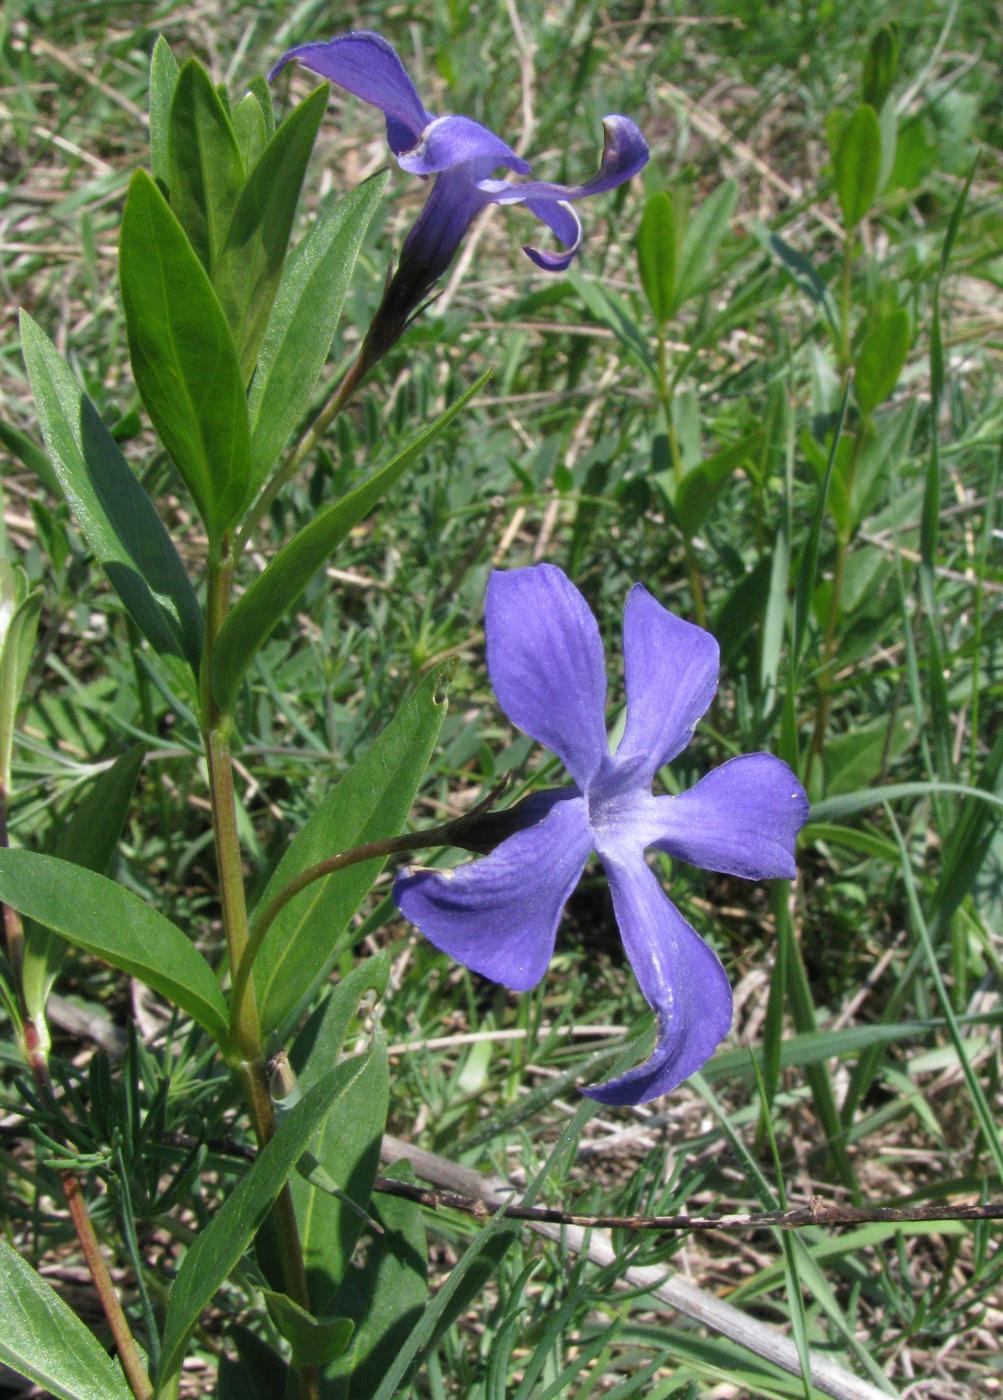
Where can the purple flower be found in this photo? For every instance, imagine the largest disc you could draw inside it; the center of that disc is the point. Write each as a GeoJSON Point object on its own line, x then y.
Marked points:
{"type": "Point", "coordinates": [499, 915]}
{"type": "Point", "coordinates": [462, 156]}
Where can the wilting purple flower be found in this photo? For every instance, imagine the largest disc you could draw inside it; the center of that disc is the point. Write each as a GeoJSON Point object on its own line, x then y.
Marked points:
{"type": "Point", "coordinates": [499, 915]}
{"type": "Point", "coordinates": [462, 155]}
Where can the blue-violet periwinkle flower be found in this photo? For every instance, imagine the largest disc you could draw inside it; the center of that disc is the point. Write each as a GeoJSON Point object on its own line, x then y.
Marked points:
{"type": "Point", "coordinates": [462, 155]}
{"type": "Point", "coordinates": [499, 915]}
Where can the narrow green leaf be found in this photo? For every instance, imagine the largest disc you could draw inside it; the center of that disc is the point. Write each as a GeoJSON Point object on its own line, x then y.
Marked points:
{"type": "Point", "coordinates": [163, 81]}
{"type": "Point", "coordinates": [217, 1249]}
{"type": "Point", "coordinates": [205, 171]}
{"type": "Point", "coordinates": [247, 271]}
{"type": "Point", "coordinates": [857, 164]}
{"type": "Point", "coordinates": [318, 1045]}
{"type": "Point", "coordinates": [347, 1146]}
{"type": "Point", "coordinates": [385, 1296]}
{"type": "Point", "coordinates": [259, 89]}
{"type": "Point", "coordinates": [657, 242]}
{"type": "Point", "coordinates": [103, 918]}
{"type": "Point", "coordinates": [19, 612]}
{"type": "Point", "coordinates": [183, 356]}
{"type": "Point", "coordinates": [21, 446]}
{"type": "Point", "coordinates": [249, 129]}
{"type": "Point", "coordinates": [880, 65]}
{"type": "Point", "coordinates": [274, 592]}
{"type": "Point", "coordinates": [43, 1339]}
{"type": "Point", "coordinates": [369, 803]}
{"type": "Point", "coordinates": [315, 1341]}
{"type": "Point", "coordinates": [880, 359]}
{"type": "Point", "coordinates": [703, 237]}
{"type": "Point", "coordinates": [114, 513]}
{"type": "Point", "coordinates": [304, 318]}
{"type": "Point", "coordinates": [837, 809]}
{"type": "Point", "coordinates": [88, 839]}
{"type": "Point", "coordinates": [701, 488]}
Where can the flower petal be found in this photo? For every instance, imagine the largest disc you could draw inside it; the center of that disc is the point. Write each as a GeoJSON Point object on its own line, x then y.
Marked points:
{"type": "Point", "coordinates": [365, 64]}
{"type": "Point", "coordinates": [670, 669]}
{"type": "Point", "coordinates": [742, 819]}
{"type": "Point", "coordinates": [545, 659]}
{"type": "Point", "coordinates": [498, 916]}
{"type": "Point", "coordinates": [451, 207]}
{"type": "Point", "coordinates": [681, 978]}
{"type": "Point", "coordinates": [565, 223]}
{"type": "Point", "coordinates": [625, 151]}
{"type": "Point", "coordinates": [448, 142]}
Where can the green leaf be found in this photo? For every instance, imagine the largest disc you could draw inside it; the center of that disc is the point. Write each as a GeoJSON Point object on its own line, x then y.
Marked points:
{"type": "Point", "coordinates": [856, 162]}
{"type": "Point", "coordinates": [657, 245]}
{"type": "Point", "coordinates": [857, 757]}
{"type": "Point", "coordinates": [101, 917]}
{"type": "Point", "coordinates": [880, 65]}
{"type": "Point", "coordinates": [21, 446]}
{"type": "Point", "coordinates": [369, 803]}
{"type": "Point", "coordinates": [701, 488]}
{"type": "Point", "coordinates": [273, 593]}
{"type": "Point", "coordinates": [318, 1045]}
{"type": "Point", "coordinates": [257, 1373]}
{"type": "Point", "coordinates": [249, 129]}
{"type": "Point", "coordinates": [702, 239]}
{"type": "Point", "coordinates": [247, 271]}
{"type": "Point", "coordinates": [217, 1250]}
{"type": "Point", "coordinates": [88, 839]}
{"type": "Point", "coordinates": [205, 171]}
{"type": "Point", "coordinates": [385, 1296]}
{"type": "Point", "coordinates": [163, 81]}
{"type": "Point", "coordinates": [183, 356]}
{"type": "Point", "coordinates": [114, 513]}
{"type": "Point", "coordinates": [304, 318]}
{"type": "Point", "coordinates": [43, 1339]}
{"type": "Point", "coordinates": [19, 612]}
{"type": "Point", "coordinates": [347, 1146]}
{"type": "Point", "coordinates": [880, 359]}
{"type": "Point", "coordinates": [315, 1341]}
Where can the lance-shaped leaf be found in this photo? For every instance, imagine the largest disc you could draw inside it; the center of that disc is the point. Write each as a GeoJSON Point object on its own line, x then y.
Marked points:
{"type": "Point", "coordinates": [89, 839]}
{"type": "Point", "coordinates": [274, 592]}
{"type": "Point", "coordinates": [856, 163]}
{"type": "Point", "coordinates": [183, 356]}
{"type": "Point", "coordinates": [702, 238]}
{"type": "Point", "coordinates": [303, 321]}
{"type": "Point", "coordinates": [702, 486]}
{"type": "Point", "coordinates": [247, 271]}
{"type": "Point", "coordinates": [880, 359]}
{"type": "Point", "coordinates": [44, 1340]}
{"type": "Point", "coordinates": [163, 81]}
{"type": "Point", "coordinates": [249, 129]}
{"type": "Point", "coordinates": [114, 513]}
{"type": "Point", "coordinates": [369, 804]}
{"type": "Point", "coordinates": [347, 1147]}
{"type": "Point", "coordinates": [103, 918]}
{"type": "Point", "coordinates": [657, 250]}
{"type": "Point", "coordinates": [205, 173]}
{"type": "Point", "coordinates": [19, 610]}
{"type": "Point", "coordinates": [217, 1250]}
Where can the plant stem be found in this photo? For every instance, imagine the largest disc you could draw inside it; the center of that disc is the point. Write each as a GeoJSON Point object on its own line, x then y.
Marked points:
{"type": "Point", "coordinates": [33, 1047]}
{"type": "Point", "coordinates": [246, 1023]}
{"type": "Point", "coordinates": [288, 469]}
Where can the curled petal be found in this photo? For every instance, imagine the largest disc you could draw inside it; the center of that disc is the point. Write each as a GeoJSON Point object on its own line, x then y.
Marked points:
{"type": "Point", "coordinates": [625, 151]}
{"type": "Point", "coordinates": [545, 659]}
{"type": "Point", "coordinates": [449, 142]}
{"type": "Point", "coordinates": [682, 981]}
{"type": "Point", "coordinates": [741, 819]}
{"type": "Point", "coordinates": [364, 63]}
{"type": "Point", "coordinates": [670, 670]}
{"type": "Point", "coordinates": [498, 916]}
{"type": "Point", "coordinates": [562, 219]}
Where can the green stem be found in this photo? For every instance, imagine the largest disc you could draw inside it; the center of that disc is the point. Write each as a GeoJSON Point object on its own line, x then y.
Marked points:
{"type": "Point", "coordinates": [845, 298]}
{"type": "Point", "coordinates": [294, 460]}
{"type": "Point", "coordinates": [246, 1022]}
{"type": "Point", "coordinates": [444, 835]}
{"type": "Point", "coordinates": [665, 397]}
